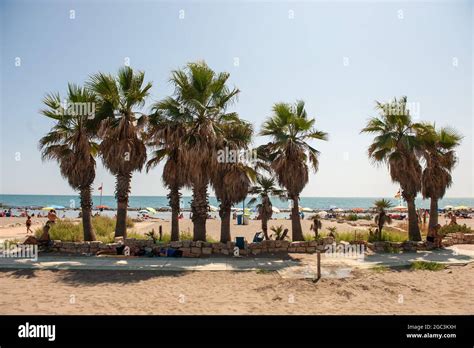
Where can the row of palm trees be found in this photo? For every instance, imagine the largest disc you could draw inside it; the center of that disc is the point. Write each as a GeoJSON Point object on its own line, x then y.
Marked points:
{"type": "Point", "coordinates": [187, 130]}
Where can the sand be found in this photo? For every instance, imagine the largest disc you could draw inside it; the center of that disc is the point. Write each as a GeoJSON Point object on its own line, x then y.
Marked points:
{"type": "Point", "coordinates": [141, 292]}
{"type": "Point", "coordinates": [14, 228]}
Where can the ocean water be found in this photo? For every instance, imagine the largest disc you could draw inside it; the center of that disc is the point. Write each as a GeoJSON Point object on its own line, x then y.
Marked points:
{"type": "Point", "coordinates": [156, 202]}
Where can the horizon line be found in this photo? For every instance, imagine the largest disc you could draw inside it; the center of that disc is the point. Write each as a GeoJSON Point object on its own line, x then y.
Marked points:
{"type": "Point", "coordinates": [42, 194]}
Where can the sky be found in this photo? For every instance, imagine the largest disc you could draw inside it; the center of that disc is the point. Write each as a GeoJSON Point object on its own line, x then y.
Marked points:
{"type": "Point", "coordinates": [339, 57]}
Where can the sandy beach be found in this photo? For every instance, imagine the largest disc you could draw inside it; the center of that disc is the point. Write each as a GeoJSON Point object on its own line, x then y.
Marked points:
{"type": "Point", "coordinates": [141, 292]}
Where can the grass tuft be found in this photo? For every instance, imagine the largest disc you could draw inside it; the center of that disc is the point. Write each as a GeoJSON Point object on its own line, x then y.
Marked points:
{"type": "Point", "coordinates": [428, 266]}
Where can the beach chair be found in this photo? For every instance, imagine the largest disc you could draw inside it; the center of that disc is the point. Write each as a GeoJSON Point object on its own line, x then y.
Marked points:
{"type": "Point", "coordinates": [259, 236]}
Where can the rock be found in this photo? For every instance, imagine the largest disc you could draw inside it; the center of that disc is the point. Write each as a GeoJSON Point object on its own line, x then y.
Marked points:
{"type": "Point", "coordinates": [300, 249]}
{"type": "Point", "coordinates": [311, 249]}
{"type": "Point", "coordinates": [291, 250]}
{"type": "Point", "coordinates": [196, 250]}
{"type": "Point", "coordinates": [255, 251]}
{"type": "Point", "coordinates": [207, 251]}
{"type": "Point", "coordinates": [225, 251]}
{"type": "Point", "coordinates": [312, 243]}
{"type": "Point", "coordinates": [186, 243]}
{"type": "Point", "coordinates": [176, 244]}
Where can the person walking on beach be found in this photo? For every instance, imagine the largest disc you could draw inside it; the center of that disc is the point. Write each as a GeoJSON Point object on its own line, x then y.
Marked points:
{"type": "Point", "coordinates": [28, 224]}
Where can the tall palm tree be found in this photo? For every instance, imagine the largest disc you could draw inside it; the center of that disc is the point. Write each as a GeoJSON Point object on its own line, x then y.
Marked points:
{"type": "Point", "coordinates": [440, 158]}
{"type": "Point", "coordinates": [71, 142]}
{"type": "Point", "coordinates": [398, 145]}
{"type": "Point", "coordinates": [381, 218]}
{"type": "Point", "coordinates": [232, 177]}
{"type": "Point", "coordinates": [264, 188]}
{"type": "Point", "coordinates": [203, 97]}
{"type": "Point", "coordinates": [290, 130]}
{"type": "Point", "coordinates": [122, 148]}
{"type": "Point", "coordinates": [165, 131]}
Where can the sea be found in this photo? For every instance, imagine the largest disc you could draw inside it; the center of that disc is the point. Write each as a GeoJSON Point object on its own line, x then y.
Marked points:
{"type": "Point", "coordinates": [72, 203]}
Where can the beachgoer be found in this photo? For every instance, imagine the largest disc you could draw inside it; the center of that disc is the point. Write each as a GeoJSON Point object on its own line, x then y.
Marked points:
{"type": "Point", "coordinates": [52, 216]}
{"type": "Point", "coordinates": [28, 224]}
{"type": "Point", "coordinates": [453, 220]}
{"type": "Point", "coordinates": [434, 236]}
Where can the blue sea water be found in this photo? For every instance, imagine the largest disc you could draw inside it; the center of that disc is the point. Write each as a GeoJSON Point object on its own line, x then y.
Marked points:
{"type": "Point", "coordinates": [161, 201]}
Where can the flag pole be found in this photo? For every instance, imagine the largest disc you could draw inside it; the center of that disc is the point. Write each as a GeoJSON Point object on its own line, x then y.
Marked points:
{"type": "Point", "coordinates": [101, 189]}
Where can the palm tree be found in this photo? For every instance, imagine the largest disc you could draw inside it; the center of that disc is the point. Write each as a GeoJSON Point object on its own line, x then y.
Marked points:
{"type": "Point", "coordinates": [203, 98]}
{"type": "Point", "coordinates": [264, 189]}
{"type": "Point", "coordinates": [381, 218]}
{"type": "Point", "coordinates": [70, 142]}
{"type": "Point", "coordinates": [398, 145]}
{"type": "Point", "coordinates": [316, 225]}
{"type": "Point", "coordinates": [232, 178]}
{"type": "Point", "coordinates": [290, 129]}
{"type": "Point", "coordinates": [166, 129]}
{"type": "Point", "coordinates": [122, 148]}
{"type": "Point", "coordinates": [440, 158]}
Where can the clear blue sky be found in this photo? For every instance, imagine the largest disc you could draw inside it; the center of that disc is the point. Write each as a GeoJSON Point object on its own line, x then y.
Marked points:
{"type": "Point", "coordinates": [393, 49]}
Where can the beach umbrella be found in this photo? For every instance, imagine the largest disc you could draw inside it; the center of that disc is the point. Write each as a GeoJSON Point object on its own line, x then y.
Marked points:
{"type": "Point", "coordinates": [102, 207]}
{"type": "Point", "coordinates": [306, 209]}
{"type": "Point", "coordinates": [275, 209]}
{"type": "Point", "coordinates": [143, 211]}
{"type": "Point", "coordinates": [151, 210]}
{"type": "Point", "coordinates": [213, 208]}
{"type": "Point", "coordinates": [358, 210]}
{"type": "Point", "coordinates": [448, 207]}
{"type": "Point", "coordinates": [57, 207]}
{"type": "Point", "coordinates": [47, 208]}
{"type": "Point", "coordinates": [400, 208]}
{"type": "Point", "coordinates": [461, 207]}
{"type": "Point", "coordinates": [322, 213]}
{"type": "Point", "coordinates": [339, 210]}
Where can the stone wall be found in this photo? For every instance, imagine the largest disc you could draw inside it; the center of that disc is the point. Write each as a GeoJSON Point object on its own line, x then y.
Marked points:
{"type": "Point", "coordinates": [458, 238]}
{"type": "Point", "coordinates": [203, 249]}
{"type": "Point", "coordinates": [192, 249]}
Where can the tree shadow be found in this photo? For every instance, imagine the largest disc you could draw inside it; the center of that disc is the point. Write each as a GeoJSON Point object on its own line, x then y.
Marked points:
{"type": "Point", "coordinates": [26, 273]}
{"type": "Point", "coordinates": [96, 277]}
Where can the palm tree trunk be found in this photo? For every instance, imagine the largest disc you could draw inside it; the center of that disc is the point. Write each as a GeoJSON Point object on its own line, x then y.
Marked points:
{"type": "Point", "coordinates": [265, 226]}
{"type": "Point", "coordinates": [413, 228]}
{"type": "Point", "coordinates": [86, 205]}
{"type": "Point", "coordinates": [122, 189]}
{"type": "Point", "coordinates": [297, 232]}
{"type": "Point", "coordinates": [224, 213]}
{"type": "Point", "coordinates": [199, 208]}
{"type": "Point", "coordinates": [173, 198]}
{"type": "Point", "coordinates": [433, 213]}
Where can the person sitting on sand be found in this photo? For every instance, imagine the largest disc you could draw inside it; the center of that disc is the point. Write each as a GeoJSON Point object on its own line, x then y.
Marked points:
{"type": "Point", "coordinates": [28, 224]}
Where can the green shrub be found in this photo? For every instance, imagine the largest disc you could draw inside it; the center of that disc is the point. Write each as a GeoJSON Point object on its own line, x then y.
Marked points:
{"type": "Point", "coordinates": [455, 228]}
{"type": "Point", "coordinates": [351, 217]}
{"type": "Point", "coordinates": [68, 231]}
{"type": "Point", "coordinates": [425, 265]}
